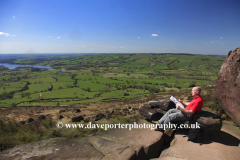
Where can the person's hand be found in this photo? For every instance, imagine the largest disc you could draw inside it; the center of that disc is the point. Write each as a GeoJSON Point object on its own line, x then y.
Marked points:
{"type": "Point", "coordinates": [180, 101]}
{"type": "Point", "coordinates": [178, 107]}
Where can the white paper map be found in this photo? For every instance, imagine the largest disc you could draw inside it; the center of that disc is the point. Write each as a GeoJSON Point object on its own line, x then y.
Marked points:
{"type": "Point", "coordinates": [176, 101]}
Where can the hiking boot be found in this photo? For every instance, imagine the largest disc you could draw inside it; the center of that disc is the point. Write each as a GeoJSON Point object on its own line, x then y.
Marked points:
{"type": "Point", "coordinates": [155, 122]}
{"type": "Point", "coordinates": [159, 129]}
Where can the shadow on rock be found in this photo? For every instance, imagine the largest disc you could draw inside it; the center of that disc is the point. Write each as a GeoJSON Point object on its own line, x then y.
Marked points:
{"type": "Point", "coordinates": [223, 138]}
{"type": "Point", "coordinates": [218, 137]}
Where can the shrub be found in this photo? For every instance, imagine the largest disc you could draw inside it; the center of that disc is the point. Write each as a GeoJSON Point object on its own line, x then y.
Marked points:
{"type": "Point", "coordinates": [13, 105]}
{"type": "Point", "coordinates": [88, 89]}
{"type": "Point", "coordinates": [60, 87]}
{"type": "Point", "coordinates": [192, 83]}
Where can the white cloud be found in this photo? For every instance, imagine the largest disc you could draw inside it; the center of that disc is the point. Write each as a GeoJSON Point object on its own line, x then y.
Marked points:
{"type": "Point", "coordinates": [154, 35]}
{"type": "Point", "coordinates": [49, 36]}
{"type": "Point", "coordinates": [221, 37]}
{"type": "Point", "coordinates": [82, 46]}
{"type": "Point", "coordinates": [138, 37]}
{"type": "Point", "coordinates": [58, 37]}
{"type": "Point", "coordinates": [120, 47]}
{"type": "Point", "coordinates": [211, 42]}
{"type": "Point", "coordinates": [13, 17]}
{"type": "Point", "coordinates": [6, 34]}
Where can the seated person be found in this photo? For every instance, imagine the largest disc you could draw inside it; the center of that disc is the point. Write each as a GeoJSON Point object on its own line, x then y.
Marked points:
{"type": "Point", "coordinates": [183, 114]}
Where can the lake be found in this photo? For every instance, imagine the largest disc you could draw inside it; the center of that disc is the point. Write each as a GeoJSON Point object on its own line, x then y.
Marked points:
{"type": "Point", "coordinates": [13, 66]}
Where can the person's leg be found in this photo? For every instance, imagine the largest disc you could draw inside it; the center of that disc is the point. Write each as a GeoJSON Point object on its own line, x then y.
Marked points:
{"type": "Point", "coordinates": [166, 115]}
{"type": "Point", "coordinates": [177, 116]}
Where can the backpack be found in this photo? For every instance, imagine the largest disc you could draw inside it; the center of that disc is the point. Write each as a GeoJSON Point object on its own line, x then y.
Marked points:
{"type": "Point", "coordinates": [196, 135]}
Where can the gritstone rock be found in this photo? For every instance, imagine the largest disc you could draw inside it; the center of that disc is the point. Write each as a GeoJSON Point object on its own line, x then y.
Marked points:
{"type": "Point", "coordinates": [97, 117]}
{"type": "Point", "coordinates": [59, 117]}
{"type": "Point", "coordinates": [22, 122]}
{"type": "Point", "coordinates": [41, 117]}
{"type": "Point", "coordinates": [110, 111]}
{"type": "Point", "coordinates": [77, 118]}
{"type": "Point", "coordinates": [162, 103]}
{"type": "Point", "coordinates": [29, 120]}
{"type": "Point", "coordinates": [208, 120]}
{"type": "Point", "coordinates": [151, 114]}
{"type": "Point", "coordinates": [61, 111]}
{"type": "Point", "coordinates": [227, 90]}
{"type": "Point", "coordinates": [76, 110]}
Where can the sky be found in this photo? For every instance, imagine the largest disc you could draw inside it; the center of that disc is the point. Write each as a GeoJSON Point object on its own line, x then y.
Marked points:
{"type": "Point", "coordinates": [209, 27]}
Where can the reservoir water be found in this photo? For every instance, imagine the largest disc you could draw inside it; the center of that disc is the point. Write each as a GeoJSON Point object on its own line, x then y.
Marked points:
{"type": "Point", "coordinates": [13, 66]}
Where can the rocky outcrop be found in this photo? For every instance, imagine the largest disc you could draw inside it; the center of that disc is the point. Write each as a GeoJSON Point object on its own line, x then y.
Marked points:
{"type": "Point", "coordinates": [108, 113]}
{"type": "Point", "coordinates": [61, 111]}
{"type": "Point", "coordinates": [97, 117]}
{"type": "Point", "coordinates": [119, 144]}
{"type": "Point", "coordinates": [75, 110]}
{"type": "Point", "coordinates": [146, 143]}
{"type": "Point", "coordinates": [208, 120]}
{"type": "Point", "coordinates": [22, 122]}
{"type": "Point", "coordinates": [60, 117]}
{"type": "Point", "coordinates": [77, 118]}
{"type": "Point", "coordinates": [162, 103]}
{"type": "Point", "coordinates": [227, 90]}
{"type": "Point", "coordinates": [56, 148]}
{"type": "Point", "coordinates": [29, 120]}
{"type": "Point", "coordinates": [112, 149]}
{"type": "Point", "coordinates": [151, 113]}
{"type": "Point", "coordinates": [168, 134]}
{"type": "Point", "coordinates": [41, 117]}
{"type": "Point", "coordinates": [220, 146]}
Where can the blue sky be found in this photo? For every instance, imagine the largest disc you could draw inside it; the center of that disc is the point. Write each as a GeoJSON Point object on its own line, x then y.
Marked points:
{"type": "Point", "coordinates": [119, 26]}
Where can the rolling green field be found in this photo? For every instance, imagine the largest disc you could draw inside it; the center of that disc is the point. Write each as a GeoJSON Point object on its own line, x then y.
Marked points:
{"type": "Point", "coordinates": [104, 77]}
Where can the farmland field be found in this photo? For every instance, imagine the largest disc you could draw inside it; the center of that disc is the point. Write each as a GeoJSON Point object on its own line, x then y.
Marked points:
{"type": "Point", "coordinates": [93, 78]}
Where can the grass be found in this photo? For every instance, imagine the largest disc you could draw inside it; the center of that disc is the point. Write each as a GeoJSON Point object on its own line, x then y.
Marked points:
{"type": "Point", "coordinates": [91, 85]}
{"type": "Point", "coordinates": [38, 87]}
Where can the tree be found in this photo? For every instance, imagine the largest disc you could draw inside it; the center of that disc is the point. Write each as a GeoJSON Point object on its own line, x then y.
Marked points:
{"type": "Point", "coordinates": [88, 89]}
{"type": "Point", "coordinates": [178, 87]}
{"type": "Point", "coordinates": [27, 94]}
{"type": "Point", "coordinates": [60, 87]}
